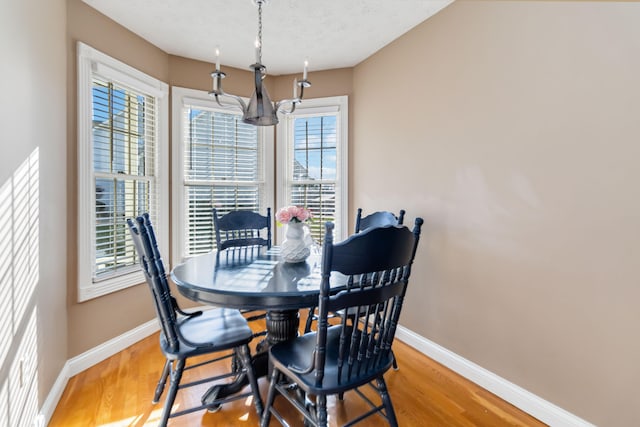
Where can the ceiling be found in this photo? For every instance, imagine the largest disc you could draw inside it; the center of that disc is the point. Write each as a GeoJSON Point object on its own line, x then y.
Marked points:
{"type": "Point", "coordinates": [329, 33]}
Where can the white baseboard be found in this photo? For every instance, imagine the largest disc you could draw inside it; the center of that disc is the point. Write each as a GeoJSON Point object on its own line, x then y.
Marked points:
{"type": "Point", "coordinates": [528, 402]}
{"type": "Point", "coordinates": [109, 348]}
{"type": "Point", "coordinates": [50, 403]}
{"type": "Point", "coordinates": [89, 358]}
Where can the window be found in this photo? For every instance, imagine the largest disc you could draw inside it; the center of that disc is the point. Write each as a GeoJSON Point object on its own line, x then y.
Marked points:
{"type": "Point", "coordinates": [312, 170]}
{"type": "Point", "coordinates": [122, 145]}
{"type": "Point", "coordinates": [220, 162]}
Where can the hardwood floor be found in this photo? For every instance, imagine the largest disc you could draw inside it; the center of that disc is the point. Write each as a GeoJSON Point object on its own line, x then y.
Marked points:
{"type": "Point", "coordinates": [118, 391]}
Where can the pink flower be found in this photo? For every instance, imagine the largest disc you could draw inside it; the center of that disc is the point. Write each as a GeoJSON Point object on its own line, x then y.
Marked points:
{"type": "Point", "coordinates": [283, 216]}
{"type": "Point", "coordinates": [302, 214]}
{"type": "Point", "coordinates": [293, 214]}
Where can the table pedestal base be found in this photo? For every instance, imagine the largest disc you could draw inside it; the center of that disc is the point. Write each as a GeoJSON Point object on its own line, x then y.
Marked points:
{"type": "Point", "coordinates": [281, 326]}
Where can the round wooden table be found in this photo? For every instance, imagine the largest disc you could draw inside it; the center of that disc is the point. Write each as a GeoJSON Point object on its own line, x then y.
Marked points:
{"type": "Point", "coordinates": [255, 278]}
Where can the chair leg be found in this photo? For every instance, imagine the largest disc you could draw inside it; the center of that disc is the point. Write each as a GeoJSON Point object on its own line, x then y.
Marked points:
{"type": "Point", "coordinates": [386, 400]}
{"type": "Point", "coordinates": [395, 361]}
{"type": "Point", "coordinates": [271, 395]}
{"type": "Point", "coordinates": [236, 363]}
{"type": "Point", "coordinates": [162, 381]}
{"type": "Point", "coordinates": [310, 318]}
{"type": "Point", "coordinates": [310, 405]}
{"type": "Point", "coordinates": [321, 410]}
{"type": "Point", "coordinates": [253, 381]}
{"type": "Point", "coordinates": [176, 376]}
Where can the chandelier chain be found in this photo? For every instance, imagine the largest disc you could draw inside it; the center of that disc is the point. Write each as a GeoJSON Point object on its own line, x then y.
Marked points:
{"type": "Point", "coordinates": [260, 32]}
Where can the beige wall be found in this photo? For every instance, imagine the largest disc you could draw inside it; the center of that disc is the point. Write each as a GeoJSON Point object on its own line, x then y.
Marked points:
{"type": "Point", "coordinates": [95, 321]}
{"type": "Point", "coordinates": [33, 234]}
{"type": "Point", "coordinates": [512, 128]}
{"type": "Point", "coordinates": [193, 74]}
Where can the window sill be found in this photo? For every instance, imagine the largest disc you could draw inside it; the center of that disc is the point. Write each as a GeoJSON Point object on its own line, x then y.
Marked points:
{"type": "Point", "coordinates": [104, 287]}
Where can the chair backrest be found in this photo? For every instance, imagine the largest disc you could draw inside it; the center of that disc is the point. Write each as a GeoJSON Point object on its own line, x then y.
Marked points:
{"type": "Point", "coordinates": [241, 229]}
{"type": "Point", "coordinates": [377, 219]}
{"type": "Point", "coordinates": [144, 239]}
{"type": "Point", "coordinates": [378, 264]}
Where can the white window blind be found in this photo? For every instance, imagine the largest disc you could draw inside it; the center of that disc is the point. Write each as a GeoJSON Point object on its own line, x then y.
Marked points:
{"type": "Point", "coordinates": [122, 140]}
{"type": "Point", "coordinates": [124, 152]}
{"type": "Point", "coordinates": [223, 167]}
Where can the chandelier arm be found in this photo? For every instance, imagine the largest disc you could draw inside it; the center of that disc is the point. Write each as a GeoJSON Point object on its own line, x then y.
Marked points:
{"type": "Point", "coordinates": [303, 84]}
{"type": "Point", "coordinates": [238, 99]}
{"type": "Point", "coordinates": [280, 104]}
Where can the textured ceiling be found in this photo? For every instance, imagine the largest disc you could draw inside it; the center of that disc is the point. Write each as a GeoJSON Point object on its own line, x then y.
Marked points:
{"type": "Point", "coordinates": [329, 33]}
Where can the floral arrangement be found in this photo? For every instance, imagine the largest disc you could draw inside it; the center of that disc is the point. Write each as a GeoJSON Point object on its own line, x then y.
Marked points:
{"type": "Point", "coordinates": [293, 214]}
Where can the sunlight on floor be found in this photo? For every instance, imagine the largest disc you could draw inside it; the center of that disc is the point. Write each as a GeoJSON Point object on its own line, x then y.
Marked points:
{"type": "Point", "coordinates": [142, 420]}
{"type": "Point", "coordinates": [137, 420]}
{"type": "Point", "coordinates": [249, 403]}
{"type": "Point", "coordinates": [131, 421]}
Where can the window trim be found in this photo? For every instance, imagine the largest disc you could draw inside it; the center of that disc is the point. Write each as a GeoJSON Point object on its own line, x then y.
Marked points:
{"type": "Point", "coordinates": [179, 97]}
{"type": "Point", "coordinates": [90, 60]}
{"type": "Point", "coordinates": [284, 136]}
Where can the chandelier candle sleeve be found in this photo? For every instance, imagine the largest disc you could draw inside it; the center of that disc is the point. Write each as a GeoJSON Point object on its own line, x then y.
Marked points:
{"type": "Point", "coordinates": [258, 51]}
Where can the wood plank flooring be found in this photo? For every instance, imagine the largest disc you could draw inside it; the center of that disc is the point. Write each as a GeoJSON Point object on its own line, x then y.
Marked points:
{"type": "Point", "coordinates": [118, 391]}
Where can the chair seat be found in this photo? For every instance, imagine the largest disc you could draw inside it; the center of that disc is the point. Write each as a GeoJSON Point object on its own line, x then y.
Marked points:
{"type": "Point", "coordinates": [219, 328]}
{"type": "Point", "coordinates": [295, 353]}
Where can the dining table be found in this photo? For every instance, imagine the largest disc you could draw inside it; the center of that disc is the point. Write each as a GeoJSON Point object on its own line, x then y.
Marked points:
{"type": "Point", "coordinates": [255, 278]}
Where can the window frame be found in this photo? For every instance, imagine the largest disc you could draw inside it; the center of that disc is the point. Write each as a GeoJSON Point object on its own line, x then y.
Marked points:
{"type": "Point", "coordinates": [338, 105]}
{"type": "Point", "coordinates": [90, 60]}
{"type": "Point", "coordinates": [180, 97]}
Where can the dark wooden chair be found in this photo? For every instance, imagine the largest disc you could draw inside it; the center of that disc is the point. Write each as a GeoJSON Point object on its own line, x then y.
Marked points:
{"type": "Point", "coordinates": [339, 358]}
{"type": "Point", "coordinates": [222, 333]}
{"type": "Point", "coordinates": [242, 231]}
{"type": "Point", "coordinates": [379, 219]}
{"type": "Point", "coordinates": [376, 219]}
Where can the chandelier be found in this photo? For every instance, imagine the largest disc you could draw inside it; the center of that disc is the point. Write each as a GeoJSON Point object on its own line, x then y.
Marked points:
{"type": "Point", "coordinates": [260, 111]}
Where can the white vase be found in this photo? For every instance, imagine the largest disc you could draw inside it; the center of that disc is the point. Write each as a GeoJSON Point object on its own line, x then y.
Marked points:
{"type": "Point", "coordinates": [295, 247]}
